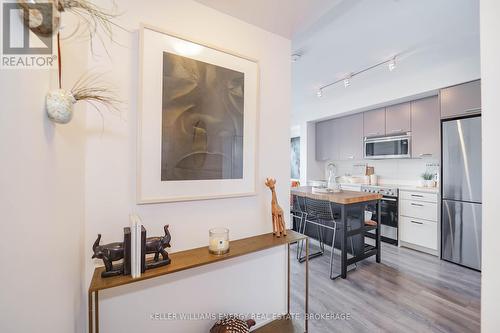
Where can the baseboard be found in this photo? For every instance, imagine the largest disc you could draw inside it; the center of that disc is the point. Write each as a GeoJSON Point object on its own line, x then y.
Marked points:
{"type": "Point", "coordinates": [419, 248]}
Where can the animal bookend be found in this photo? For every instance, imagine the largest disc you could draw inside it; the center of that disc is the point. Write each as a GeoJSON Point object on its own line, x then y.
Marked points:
{"type": "Point", "coordinates": [277, 212]}
{"type": "Point", "coordinates": [109, 253]}
{"type": "Point", "coordinates": [157, 246]}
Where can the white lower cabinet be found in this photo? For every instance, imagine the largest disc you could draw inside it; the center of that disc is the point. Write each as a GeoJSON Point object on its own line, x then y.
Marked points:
{"type": "Point", "coordinates": [418, 221]}
{"type": "Point", "coordinates": [419, 209]}
{"type": "Point", "coordinates": [419, 232]}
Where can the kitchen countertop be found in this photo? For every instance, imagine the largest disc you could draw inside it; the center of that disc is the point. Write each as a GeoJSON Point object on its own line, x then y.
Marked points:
{"type": "Point", "coordinates": [410, 188]}
{"type": "Point", "coordinates": [343, 198]}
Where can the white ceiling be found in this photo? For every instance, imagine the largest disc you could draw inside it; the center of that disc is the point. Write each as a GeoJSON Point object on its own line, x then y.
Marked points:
{"type": "Point", "coordinates": [441, 36]}
{"type": "Point", "coordinates": [283, 17]}
{"type": "Point", "coordinates": [437, 40]}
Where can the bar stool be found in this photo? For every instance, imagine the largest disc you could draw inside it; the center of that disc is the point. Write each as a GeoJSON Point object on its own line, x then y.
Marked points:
{"type": "Point", "coordinates": [320, 214]}
{"type": "Point", "coordinates": [298, 211]}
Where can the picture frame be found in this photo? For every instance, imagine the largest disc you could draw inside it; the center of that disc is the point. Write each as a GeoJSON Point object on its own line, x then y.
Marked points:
{"type": "Point", "coordinates": [200, 162]}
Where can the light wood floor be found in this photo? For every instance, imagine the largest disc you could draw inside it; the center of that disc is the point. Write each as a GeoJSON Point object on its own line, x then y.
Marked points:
{"type": "Point", "coordinates": [408, 292]}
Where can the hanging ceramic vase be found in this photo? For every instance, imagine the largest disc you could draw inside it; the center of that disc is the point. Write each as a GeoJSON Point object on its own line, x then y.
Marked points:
{"type": "Point", "coordinates": [59, 104]}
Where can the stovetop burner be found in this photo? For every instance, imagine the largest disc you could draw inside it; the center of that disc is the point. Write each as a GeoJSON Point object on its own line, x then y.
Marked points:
{"type": "Point", "coordinates": [390, 191]}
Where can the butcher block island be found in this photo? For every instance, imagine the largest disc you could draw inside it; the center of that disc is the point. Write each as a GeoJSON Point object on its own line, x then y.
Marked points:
{"type": "Point", "coordinates": [338, 219]}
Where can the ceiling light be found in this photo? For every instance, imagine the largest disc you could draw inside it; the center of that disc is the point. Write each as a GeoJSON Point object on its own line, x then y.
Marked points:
{"type": "Point", "coordinates": [347, 81]}
{"type": "Point", "coordinates": [392, 64]}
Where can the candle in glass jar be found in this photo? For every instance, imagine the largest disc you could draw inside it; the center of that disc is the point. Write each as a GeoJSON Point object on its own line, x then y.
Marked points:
{"type": "Point", "coordinates": [218, 241]}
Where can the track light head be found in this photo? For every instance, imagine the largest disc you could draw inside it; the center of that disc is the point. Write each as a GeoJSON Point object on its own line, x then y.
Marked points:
{"type": "Point", "coordinates": [320, 93]}
{"type": "Point", "coordinates": [392, 64]}
{"type": "Point", "coordinates": [347, 82]}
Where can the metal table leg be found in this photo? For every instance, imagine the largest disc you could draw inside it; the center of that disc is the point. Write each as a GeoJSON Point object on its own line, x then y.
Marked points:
{"type": "Point", "coordinates": [377, 232]}
{"type": "Point", "coordinates": [288, 283]}
{"type": "Point", "coordinates": [306, 310]}
{"type": "Point", "coordinates": [93, 311]}
{"type": "Point", "coordinates": [343, 243]}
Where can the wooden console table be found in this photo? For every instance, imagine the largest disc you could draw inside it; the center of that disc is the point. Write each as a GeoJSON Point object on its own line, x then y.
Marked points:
{"type": "Point", "coordinates": [199, 257]}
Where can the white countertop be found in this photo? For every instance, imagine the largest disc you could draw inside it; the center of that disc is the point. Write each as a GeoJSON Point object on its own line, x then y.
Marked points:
{"type": "Point", "coordinates": [410, 188]}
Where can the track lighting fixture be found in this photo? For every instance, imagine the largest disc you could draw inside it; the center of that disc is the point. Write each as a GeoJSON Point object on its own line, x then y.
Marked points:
{"type": "Point", "coordinates": [347, 80]}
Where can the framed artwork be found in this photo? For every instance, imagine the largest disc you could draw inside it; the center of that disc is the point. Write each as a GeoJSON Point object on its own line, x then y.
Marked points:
{"type": "Point", "coordinates": [198, 113]}
{"type": "Point", "coordinates": [295, 157]}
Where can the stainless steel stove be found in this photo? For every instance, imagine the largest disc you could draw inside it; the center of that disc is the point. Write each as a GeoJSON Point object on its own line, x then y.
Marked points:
{"type": "Point", "coordinates": [389, 211]}
{"type": "Point", "coordinates": [389, 191]}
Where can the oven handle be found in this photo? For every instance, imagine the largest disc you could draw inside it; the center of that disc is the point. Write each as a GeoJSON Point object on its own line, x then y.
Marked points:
{"type": "Point", "coordinates": [389, 199]}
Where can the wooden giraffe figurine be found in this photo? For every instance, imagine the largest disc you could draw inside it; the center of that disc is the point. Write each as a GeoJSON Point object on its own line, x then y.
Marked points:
{"type": "Point", "coordinates": [277, 212]}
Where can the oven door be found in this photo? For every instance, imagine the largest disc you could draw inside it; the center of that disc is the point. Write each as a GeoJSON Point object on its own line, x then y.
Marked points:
{"type": "Point", "coordinates": [389, 220]}
{"type": "Point", "coordinates": [389, 211]}
{"type": "Point", "coordinates": [389, 147]}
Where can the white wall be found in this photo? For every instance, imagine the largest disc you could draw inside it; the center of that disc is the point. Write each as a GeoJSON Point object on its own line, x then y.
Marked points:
{"type": "Point", "coordinates": [250, 284]}
{"type": "Point", "coordinates": [42, 203]}
{"type": "Point", "coordinates": [490, 72]}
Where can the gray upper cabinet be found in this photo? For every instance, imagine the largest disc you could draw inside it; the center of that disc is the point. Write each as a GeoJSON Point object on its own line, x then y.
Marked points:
{"type": "Point", "coordinates": [398, 119]}
{"type": "Point", "coordinates": [327, 140]}
{"type": "Point", "coordinates": [351, 137]}
{"type": "Point", "coordinates": [461, 100]}
{"type": "Point", "coordinates": [425, 121]}
{"type": "Point", "coordinates": [322, 129]}
{"type": "Point", "coordinates": [374, 122]}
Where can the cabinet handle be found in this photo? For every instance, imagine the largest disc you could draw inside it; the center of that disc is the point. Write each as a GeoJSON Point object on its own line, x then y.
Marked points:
{"type": "Point", "coordinates": [370, 134]}
{"type": "Point", "coordinates": [427, 154]}
{"type": "Point", "coordinates": [418, 205]}
{"type": "Point", "coordinates": [351, 157]}
{"type": "Point", "coordinates": [417, 195]}
{"type": "Point", "coordinates": [415, 222]}
{"type": "Point", "coordinates": [397, 130]}
{"type": "Point", "coordinates": [472, 110]}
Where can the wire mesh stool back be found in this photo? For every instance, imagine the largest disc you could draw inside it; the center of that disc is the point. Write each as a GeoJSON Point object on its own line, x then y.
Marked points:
{"type": "Point", "coordinates": [319, 209]}
{"type": "Point", "coordinates": [298, 207]}
{"type": "Point", "coordinates": [320, 213]}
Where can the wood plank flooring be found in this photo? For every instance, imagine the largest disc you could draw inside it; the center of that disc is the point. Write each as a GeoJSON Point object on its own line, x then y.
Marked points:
{"type": "Point", "coordinates": [409, 291]}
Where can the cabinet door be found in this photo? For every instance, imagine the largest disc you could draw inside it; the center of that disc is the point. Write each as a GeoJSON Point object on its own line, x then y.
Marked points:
{"type": "Point", "coordinates": [419, 232]}
{"type": "Point", "coordinates": [374, 123]}
{"type": "Point", "coordinates": [425, 127]}
{"type": "Point", "coordinates": [322, 141]}
{"type": "Point", "coordinates": [461, 100]}
{"type": "Point", "coordinates": [398, 119]}
{"type": "Point", "coordinates": [351, 137]}
{"type": "Point", "coordinates": [327, 140]}
{"type": "Point", "coordinates": [334, 140]}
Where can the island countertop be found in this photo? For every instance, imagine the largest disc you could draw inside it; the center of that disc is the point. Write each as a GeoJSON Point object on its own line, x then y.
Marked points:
{"type": "Point", "coordinates": [343, 198]}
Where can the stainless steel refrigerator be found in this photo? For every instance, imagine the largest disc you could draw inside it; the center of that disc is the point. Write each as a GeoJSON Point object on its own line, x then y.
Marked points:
{"type": "Point", "coordinates": [461, 180]}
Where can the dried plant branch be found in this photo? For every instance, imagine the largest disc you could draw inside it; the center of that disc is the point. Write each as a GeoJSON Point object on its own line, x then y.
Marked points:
{"type": "Point", "coordinates": [94, 18]}
{"type": "Point", "coordinates": [92, 88]}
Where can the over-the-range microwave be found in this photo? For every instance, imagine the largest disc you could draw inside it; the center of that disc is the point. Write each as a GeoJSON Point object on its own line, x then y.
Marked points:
{"type": "Point", "coordinates": [388, 147]}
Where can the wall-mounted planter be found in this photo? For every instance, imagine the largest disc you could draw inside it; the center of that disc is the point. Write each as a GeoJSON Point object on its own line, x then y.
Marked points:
{"type": "Point", "coordinates": [59, 104]}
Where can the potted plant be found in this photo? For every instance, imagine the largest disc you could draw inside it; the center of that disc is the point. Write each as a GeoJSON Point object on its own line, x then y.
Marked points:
{"type": "Point", "coordinates": [428, 179]}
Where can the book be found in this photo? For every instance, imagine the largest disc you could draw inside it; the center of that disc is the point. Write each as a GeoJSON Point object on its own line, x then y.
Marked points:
{"type": "Point", "coordinates": [138, 246]}
{"type": "Point", "coordinates": [127, 243]}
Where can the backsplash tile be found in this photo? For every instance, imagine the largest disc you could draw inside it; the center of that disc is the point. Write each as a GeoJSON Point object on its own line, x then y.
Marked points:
{"type": "Point", "coordinates": [397, 171]}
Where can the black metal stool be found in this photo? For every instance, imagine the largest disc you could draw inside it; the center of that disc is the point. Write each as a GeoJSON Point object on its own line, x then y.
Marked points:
{"type": "Point", "coordinates": [320, 214]}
